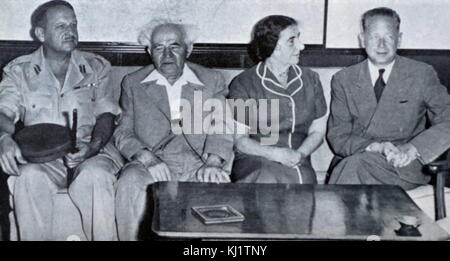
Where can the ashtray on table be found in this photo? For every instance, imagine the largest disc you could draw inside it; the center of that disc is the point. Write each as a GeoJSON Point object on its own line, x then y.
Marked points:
{"type": "Point", "coordinates": [217, 214]}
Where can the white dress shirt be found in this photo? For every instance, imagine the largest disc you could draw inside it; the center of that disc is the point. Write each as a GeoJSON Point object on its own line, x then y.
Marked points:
{"type": "Point", "coordinates": [373, 71]}
{"type": "Point", "coordinates": [174, 91]}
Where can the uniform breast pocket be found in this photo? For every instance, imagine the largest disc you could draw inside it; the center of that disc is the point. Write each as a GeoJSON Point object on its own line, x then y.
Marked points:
{"type": "Point", "coordinates": [85, 94]}
{"type": "Point", "coordinates": [85, 98]}
{"type": "Point", "coordinates": [40, 108]}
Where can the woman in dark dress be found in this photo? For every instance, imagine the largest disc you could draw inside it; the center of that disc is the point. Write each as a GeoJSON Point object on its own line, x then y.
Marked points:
{"type": "Point", "coordinates": [301, 108]}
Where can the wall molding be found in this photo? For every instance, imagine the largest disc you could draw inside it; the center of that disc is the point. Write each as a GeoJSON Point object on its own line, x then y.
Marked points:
{"type": "Point", "coordinates": [231, 56]}
{"type": "Point", "coordinates": [328, 55]}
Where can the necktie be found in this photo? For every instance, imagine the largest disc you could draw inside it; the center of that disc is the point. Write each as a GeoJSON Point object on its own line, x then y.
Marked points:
{"type": "Point", "coordinates": [379, 85]}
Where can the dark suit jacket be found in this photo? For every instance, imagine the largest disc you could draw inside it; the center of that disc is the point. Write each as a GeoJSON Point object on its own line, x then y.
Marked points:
{"type": "Point", "coordinates": [412, 92]}
{"type": "Point", "coordinates": [144, 122]}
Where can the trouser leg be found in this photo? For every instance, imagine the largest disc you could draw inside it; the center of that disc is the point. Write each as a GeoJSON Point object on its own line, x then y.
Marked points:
{"type": "Point", "coordinates": [254, 169]}
{"type": "Point", "coordinates": [370, 168]}
{"type": "Point", "coordinates": [32, 198]}
{"type": "Point", "coordinates": [131, 199]}
{"type": "Point", "coordinates": [13, 230]}
{"type": "Point", "coordinates": [92, 191]}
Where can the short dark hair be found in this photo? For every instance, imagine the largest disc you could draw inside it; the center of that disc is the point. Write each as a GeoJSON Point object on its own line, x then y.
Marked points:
{"type": "Point", "coordinates": [39, 16]}
{"type": "Point", "coordinates": [266, 33]}
{"type": "Point", "coordinates": [380, 11]}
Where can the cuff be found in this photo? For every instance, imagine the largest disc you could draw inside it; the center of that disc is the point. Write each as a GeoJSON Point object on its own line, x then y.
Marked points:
{"type": "Point", "coordinates": [131, 148]}
{"type": "Point", "coordinates": [5, 109]}
{"type": "Point", "coordinates": [3, 135]}
{"type": "Point", "coordinates": [105, 105]}
{"type": "Point", "coordinates": [424, 154]}
{"type": "Point", "coordinates": [241, 128]}
{"type": "Point", "coordinates": [216, 144]}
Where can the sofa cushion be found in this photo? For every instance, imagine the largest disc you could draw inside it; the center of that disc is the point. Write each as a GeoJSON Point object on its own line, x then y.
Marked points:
{"type": "Point", "coordinates": [445, 224]}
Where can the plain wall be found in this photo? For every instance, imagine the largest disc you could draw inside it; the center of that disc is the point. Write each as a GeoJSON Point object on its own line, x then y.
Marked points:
{"type": "Point", "coordinates": [425, 23]}
{"type": "Point", "coordinates": [218, 21]}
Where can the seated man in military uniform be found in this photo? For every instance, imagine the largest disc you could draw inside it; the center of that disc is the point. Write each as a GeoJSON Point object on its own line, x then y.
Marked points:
{"type": "Point", "coordinates": [40, 88]}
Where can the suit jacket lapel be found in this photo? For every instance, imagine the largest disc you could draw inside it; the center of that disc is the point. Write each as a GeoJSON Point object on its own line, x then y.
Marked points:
{"type": "Point", "coordinates": [395, 90]}
{"type": "Point", "coordinates": [158, 95]}
{"type": "Point", "coordinates": [188, 90]}
{"type": "Point", "coordinates": [188, 93]}
{"type": "Point", "coordinates": [395, 86]}
{"type": "Point", "coordinates": [364, 95]}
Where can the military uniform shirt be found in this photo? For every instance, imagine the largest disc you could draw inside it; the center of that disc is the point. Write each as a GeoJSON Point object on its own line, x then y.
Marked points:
{"type": "Point", "coordinates": [30, 92]}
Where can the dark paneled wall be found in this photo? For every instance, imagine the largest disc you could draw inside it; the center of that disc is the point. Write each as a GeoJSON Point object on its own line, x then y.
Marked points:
{"type": "Point", "coordinates": [232, 56]}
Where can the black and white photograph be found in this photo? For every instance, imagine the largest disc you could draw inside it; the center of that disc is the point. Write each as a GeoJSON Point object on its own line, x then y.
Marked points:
{"type": "Point", "coordinates": [190, 121]}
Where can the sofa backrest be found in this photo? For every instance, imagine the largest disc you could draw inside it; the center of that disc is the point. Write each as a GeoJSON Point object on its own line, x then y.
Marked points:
{"type": "Point", "coordinates": [321, 158]}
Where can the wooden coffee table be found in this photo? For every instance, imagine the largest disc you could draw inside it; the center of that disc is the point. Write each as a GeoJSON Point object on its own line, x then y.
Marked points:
{"type": "Point", "coordinates": [289, 211]}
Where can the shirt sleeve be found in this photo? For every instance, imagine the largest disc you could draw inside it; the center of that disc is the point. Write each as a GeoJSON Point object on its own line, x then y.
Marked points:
{"type": "Point", "coordinates": [244, 108]}
{"type": "Point", "coordinates": [105, 102]}
{"type": "Point", "coordinates": [11, 100]}
{"type": "Point", "coordinates": [435, 140]}
{"type": "Point", "coordinates": [125, 138]}
{"type": "Point", "coordinates": [320, 104]}
{"type": "Point", "coordinates": [220, 144]}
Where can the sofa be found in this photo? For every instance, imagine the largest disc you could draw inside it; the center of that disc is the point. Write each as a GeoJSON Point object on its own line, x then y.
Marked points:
{"type": "Point", "coordinates": [65, 212]}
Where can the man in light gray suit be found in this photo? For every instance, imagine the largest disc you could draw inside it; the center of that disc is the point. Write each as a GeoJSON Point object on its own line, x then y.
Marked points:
{"type": "Point", "coordinates": [154, 101]}
{"type": "Point", "coordinates": [379, 109]}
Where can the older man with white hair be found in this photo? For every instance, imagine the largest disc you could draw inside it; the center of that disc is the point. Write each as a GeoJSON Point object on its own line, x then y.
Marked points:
{"type": "Point", "coordinates": [154, 101]}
